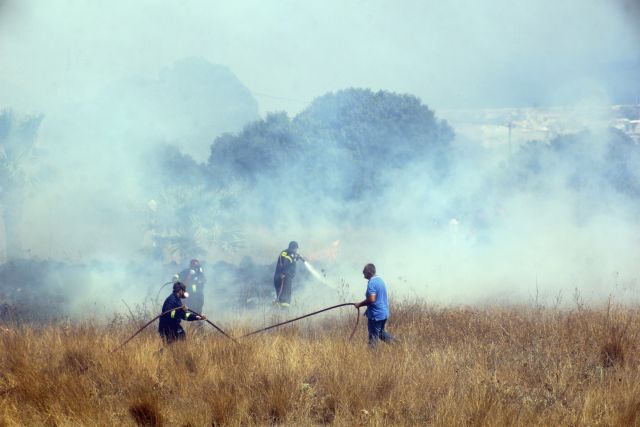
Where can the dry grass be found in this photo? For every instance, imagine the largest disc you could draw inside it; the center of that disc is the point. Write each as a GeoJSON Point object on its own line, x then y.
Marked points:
{"type": "Point", "coordinates": [452, 366]}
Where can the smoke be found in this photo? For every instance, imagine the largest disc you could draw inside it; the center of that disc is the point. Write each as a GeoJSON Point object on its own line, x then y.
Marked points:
{"type": "Point", "coordinates": [451, 55]}
{"type": "Point", "coordinates": [554, 216]}
{"type": "Point", "coordinates": [145, 159]}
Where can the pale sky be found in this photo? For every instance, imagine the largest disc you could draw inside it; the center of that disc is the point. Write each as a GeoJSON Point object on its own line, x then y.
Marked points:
{"type": "Point", "coordinates": [451, 54]}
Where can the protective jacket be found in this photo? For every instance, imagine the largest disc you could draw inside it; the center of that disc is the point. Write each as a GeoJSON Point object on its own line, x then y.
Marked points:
{"type": "Point", "coordinates": [194, 280]}
{"type": "Point", "coordinates": [285, 272]}
{"type": "Point", "coordinates": [169, 327]}
{"type": "Point", "coordinates": [286, 264]}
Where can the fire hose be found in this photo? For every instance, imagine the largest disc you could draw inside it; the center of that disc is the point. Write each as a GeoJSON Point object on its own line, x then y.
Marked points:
{"type": "Point", "coordinates": [162, 287]}
{"type": "Point", "coordinates": [167, 312]}
{"type": "Point", "coordinates": [214, 325]}
{"type": "Point", "coordinates": [309, 315]}
{"type": "Point", "coordinates": [141, 329]}
{"type": "Point", "coordinates": [254, 332]}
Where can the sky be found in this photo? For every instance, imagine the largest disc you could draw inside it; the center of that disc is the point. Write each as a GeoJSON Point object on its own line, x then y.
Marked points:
{"type": "Point", "coordinates": [457, 54]}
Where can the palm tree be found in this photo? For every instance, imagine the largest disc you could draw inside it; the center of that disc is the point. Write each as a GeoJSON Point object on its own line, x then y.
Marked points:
{"type": "Point", "coordinates": [185, 222]}
{"type": "Point", "coordinates": [17, 172]}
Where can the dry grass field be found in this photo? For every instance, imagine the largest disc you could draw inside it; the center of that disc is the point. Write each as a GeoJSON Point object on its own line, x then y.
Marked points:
{"type": "Point", "coordinates": [515, 365]}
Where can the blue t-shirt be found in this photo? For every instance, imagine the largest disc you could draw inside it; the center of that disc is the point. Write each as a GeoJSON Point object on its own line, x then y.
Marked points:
{"type": "Point", "coordinates": [378, 310]}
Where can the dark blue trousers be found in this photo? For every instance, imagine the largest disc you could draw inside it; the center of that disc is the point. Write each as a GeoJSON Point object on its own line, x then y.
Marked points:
{"type": "Point", "coordinates": [377, 332]}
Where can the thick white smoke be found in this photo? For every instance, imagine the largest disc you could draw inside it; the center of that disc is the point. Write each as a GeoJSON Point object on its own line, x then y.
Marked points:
{"type": "Point", "coordinates": [113, 84]}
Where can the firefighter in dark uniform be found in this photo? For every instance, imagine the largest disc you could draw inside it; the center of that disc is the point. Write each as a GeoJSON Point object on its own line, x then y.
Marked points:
{"type": "Point", "coordinates": [285, 272]}
{"type": "Point", "coordinates": [169, 328]}
{"type": "Point", "coordinates": [194, 279]}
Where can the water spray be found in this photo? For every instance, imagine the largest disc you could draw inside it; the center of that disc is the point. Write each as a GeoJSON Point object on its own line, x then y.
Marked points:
{"type": "Point", "coordinates": [316, 274]}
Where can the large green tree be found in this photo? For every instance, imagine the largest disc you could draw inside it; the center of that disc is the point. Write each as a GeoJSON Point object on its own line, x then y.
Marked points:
{"type": "Point", "coordinates": [341, 147]}
{"type": "Point", "coordinates": [364, 136]}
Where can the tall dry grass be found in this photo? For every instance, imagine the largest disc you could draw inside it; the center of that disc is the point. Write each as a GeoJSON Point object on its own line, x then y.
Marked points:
{"type": "Point", "coordinates": [517, 365]}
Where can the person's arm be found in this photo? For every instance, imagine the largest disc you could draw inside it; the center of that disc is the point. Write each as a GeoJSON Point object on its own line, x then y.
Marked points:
{"type": "Point", "coordinates": [370, 295]}
{"type": "Point", "coordinates": [180, 312]}
{"type": "Point", "coordinates": [190, 317]}
{"type": "Point", "coordinates": [371, 298]}
{"type": "Point", "coordinates": [187, 315]}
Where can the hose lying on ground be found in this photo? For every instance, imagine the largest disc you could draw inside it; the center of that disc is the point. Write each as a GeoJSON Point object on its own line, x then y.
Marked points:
{"type": "Point", "coordinates": [254, 332]}
{"type": "Point", "coordinates": [309, 315]}
{"type": "Point", "coordinates": [167, 312]}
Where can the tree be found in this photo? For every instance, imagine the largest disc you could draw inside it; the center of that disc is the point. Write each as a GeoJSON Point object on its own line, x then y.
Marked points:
{"type": "Point", "coordinates": [585, 162]}
{"type": "Point", "coordinates": [623, 163]}
{"type": "Point", "coordinates": [343, 146]}
{"type": "Point", "coordinates": [379, 123]}
{"type": "Point", "coordinates": [17, 172]}
{"type": "Point", "coordinates": [187, 222]}
{"type": "Point", "coordinates": [184, 217]}
{"type": "Point", "coordinates": [364, 133]}
{"type": "Point", "coordinates": [259, 151]}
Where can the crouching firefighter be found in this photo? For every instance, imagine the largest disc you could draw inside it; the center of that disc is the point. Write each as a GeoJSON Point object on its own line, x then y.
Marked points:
{"type": "Point", "coordinates": [170, 329]}
{"type": "Point", "coordinates": [285, 272]}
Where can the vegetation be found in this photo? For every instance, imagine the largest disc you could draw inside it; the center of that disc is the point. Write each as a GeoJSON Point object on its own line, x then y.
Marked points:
{"type": "Point", "coordinates": [17, 172]}
{"type": "Point", "coordinates": [518, 365]}
{"type": "Point", "coordinates": [585, 162]}
{"type": "Point", "coordinates": [339, 147]}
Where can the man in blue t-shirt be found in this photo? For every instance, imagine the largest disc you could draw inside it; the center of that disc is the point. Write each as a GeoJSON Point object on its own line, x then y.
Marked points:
{"type": "Point", "coordinates": [377, 306]}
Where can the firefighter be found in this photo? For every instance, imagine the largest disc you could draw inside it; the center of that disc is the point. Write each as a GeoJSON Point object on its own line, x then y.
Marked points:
{"type": "Point", "coordinates": [169, 328]}
{"type": "Point", "coordinates": [285, 272]}
{"type": "Point", "coordinates": [194, 279]}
